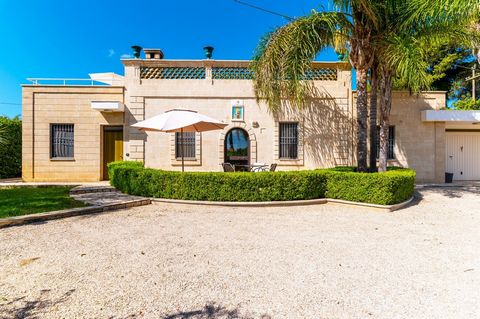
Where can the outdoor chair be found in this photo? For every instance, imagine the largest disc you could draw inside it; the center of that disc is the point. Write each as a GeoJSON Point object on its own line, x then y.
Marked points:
{"type": "Point", "coordinates": [227, 167]}
{"type": "Point", "coordinates": [273, 167]}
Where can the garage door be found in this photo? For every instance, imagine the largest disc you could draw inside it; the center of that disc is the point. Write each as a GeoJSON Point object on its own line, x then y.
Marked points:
{"type": "Point", "coordinates": [463, 155]}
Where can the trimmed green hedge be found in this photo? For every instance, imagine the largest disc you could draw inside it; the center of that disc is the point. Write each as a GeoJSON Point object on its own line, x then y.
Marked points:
{"type": "Point", "coordinates": [391, 187]}
{"type": "Point", "coordinates": [377, 188]}
{"type": "Point", "coordinates": [11, 148]}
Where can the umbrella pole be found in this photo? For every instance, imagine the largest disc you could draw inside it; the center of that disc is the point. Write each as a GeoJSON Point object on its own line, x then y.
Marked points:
{"type": "Point", "coordinates": [183, 149]}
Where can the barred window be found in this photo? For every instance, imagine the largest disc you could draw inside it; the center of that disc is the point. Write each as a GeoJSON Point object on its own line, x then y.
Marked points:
{"type": "Point", "coordinates": [391, 142]}
{"type": "Point", "coordinates": [61, 140]}
{"type": "Point", "coordinates": [188, 145]}
{"type": "Point", "coordinates": [288, 140]}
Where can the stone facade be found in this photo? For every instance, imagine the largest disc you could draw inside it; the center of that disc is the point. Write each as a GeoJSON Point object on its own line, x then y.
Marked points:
{"type": "Point", "coordinates": [46, 105]}
{"type": "Point", "coordinates": [326, 124]}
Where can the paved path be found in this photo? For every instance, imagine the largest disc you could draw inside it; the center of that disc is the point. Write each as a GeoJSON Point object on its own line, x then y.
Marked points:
{"type": "Point", "coordinates": [182, 261]}
{"type": "Point", "coordinates": [100, 198]}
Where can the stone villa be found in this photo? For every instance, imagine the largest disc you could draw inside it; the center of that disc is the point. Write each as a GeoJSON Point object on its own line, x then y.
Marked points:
{"type": "Point", "coordinates": [72, 128]}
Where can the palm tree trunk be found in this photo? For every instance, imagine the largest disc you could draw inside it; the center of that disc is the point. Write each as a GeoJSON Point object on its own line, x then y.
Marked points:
{"type": "Point", "coordinates": [362, 115]}
{"type": "Point", "coordinates": [373, 118]}
{"type": "Point", "coordinates": [385, 107]}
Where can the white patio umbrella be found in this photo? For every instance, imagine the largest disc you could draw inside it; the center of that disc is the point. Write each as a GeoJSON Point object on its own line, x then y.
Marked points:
{"type": "Point", "coordinates": [180, 120]}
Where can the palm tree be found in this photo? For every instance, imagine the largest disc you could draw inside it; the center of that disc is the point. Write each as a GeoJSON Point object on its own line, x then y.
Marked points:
{"type": "Point", "coordinates": [284, 55]}
{"type": "Point", "coordinates": [400, 43]}
{"type": "Point", "coordinates": [373, 114]}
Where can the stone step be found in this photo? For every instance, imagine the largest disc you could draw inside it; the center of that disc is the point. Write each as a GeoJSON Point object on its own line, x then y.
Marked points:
{"type": "Point", "coordinates": [85, 189]}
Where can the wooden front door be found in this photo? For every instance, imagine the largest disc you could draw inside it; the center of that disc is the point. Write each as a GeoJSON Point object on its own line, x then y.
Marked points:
{"type": "Point", "coordinates": [112, 147]}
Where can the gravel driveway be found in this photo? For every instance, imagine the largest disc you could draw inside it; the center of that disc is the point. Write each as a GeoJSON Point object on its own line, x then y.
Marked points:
{"type": "Point", "coordinates": [179, 261]}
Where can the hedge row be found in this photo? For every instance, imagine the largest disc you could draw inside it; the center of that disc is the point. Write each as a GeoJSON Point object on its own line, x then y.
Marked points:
{"type": "Point", "coordinates": [376, 188]}
{"type": "Point", "coordinates": [11, 150]}
{"type": "Point", "coordinates": [391, 187]}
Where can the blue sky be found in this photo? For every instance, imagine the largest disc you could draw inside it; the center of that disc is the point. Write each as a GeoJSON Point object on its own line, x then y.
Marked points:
{"type": "Point", "coordinates": [53, 38]}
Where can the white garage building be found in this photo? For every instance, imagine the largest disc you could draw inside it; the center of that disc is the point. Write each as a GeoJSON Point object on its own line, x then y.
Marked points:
{"type": "Point", "coordinates": [462, 141]}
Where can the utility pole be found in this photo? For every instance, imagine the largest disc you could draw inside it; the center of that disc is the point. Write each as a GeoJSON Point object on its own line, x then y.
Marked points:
{"type": "Point", "coordinates": [474, 69]}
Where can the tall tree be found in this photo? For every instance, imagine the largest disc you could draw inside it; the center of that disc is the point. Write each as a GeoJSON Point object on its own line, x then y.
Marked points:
{"type": "Point", "coordinates": [373, 114]}
{"type": "Point", "coordinates": [400, 43]}
{"type": "Point", "coordinates": [284, 55]}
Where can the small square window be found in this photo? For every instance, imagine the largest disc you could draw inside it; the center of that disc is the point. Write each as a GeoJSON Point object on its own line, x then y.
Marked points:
{"type": "Point", "coordinates": [391, 142]}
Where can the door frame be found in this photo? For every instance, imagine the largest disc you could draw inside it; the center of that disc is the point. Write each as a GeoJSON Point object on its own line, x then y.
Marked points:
{"type": "Point", "coordinates": [117, 128]}
{"type": "Point", "coordinates": [249, 159]}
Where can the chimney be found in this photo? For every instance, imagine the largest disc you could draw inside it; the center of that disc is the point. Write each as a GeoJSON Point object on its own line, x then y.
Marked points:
{"type": "Point", "coordinates": [153, 54]}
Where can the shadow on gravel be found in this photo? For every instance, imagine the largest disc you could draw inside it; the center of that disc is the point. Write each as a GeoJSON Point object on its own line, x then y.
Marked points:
{"type": "Point", "coordinates": [22, 308]}
{"type": "Point", "coordinates": [417, 199]}
{"type": "Point", "coordinates": [211, 311]}
{"type": "Point", "coordinates": [452, 191]}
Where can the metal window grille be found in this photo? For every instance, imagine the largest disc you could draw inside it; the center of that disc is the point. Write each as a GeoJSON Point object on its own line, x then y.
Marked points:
{"type": "Point", "coordinates": [391, 142]}
{"type": "Point", "coordinates": [61, 139]}
{"type": "Point", "coordinates": [288, 140]}
{"type": "Point", "coordinates": [172, 73]}
{"type": "Point", "coordinates": [188, 144]}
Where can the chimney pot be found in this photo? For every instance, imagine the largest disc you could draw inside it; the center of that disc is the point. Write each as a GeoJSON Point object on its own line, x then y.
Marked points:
{"type": "Point", "coordinates": [153, 54]}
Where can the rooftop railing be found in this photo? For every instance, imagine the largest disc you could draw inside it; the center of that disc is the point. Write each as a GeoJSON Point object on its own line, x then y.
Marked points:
{"type": "Point", "coordinates": [72, 82]}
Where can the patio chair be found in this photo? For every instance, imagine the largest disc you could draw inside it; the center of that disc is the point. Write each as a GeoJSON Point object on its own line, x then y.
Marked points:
{"type": "Point", "coordinates": [273, 167]}
{"type": "Point", "coordinates": [227, 167]}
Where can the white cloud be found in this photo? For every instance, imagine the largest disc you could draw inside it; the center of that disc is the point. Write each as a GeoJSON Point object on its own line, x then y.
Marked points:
{"type": "Point", "coordinates": [125, 56]}
{"type": "Point", "coordinates": [111, 52]}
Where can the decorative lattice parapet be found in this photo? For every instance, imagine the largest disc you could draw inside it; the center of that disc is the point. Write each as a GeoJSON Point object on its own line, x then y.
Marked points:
{"type": "Point", "coordinates": [321, 74]}
{"type": "Point", "coordinates": [224, 70]}
{"type": "Point", "coordinates": [232, 73]}
{"type": "Point", "coordinates": [172, 73]}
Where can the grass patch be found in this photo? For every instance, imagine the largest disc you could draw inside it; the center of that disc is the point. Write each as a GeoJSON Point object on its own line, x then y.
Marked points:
{"type": "Point", "coordinates": [17, 201]}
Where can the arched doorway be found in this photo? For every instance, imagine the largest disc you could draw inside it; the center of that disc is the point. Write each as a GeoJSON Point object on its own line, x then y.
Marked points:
{"type": "Point", "coordinates": [237, 148]}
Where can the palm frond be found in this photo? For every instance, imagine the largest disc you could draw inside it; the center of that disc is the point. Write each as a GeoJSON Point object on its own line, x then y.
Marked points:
{"type": "Point", "coordinates": [366, 11]}
{"type": "Point", "coordinates": [431, 11]}
{"type": "Point", "coordinates": [284, 56]}
{"type": "Point", "coordinates": [405, 56]}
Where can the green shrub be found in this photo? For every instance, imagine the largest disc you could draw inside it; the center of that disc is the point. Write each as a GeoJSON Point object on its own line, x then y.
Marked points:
{"type": "Point", "coordinates": [219, 186]}
{"type": "Point", "coordinates": [343, 169]}
{"type": "Point", "coordinates": [391, 187]}
{"type": "Point", "coordinates": [378, 188]}
{"type": "Point", "coordinates": [10, 147]}
{"type": "Point", "coordinates": [111, 167]}
{"type": "Point", "coordinates": [467, 104]}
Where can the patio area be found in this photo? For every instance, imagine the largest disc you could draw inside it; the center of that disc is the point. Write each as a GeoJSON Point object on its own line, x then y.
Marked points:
{"type": "Point", "coordinates": [182, 261]}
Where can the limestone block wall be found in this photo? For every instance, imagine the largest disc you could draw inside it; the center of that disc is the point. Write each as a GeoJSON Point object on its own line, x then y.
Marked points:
{"type": "Point", "coordinates": [419, 145]}
{"type": "Point", "coordinates": [46, 105]}
{"type": "Point", "coordinates": [325, 125]}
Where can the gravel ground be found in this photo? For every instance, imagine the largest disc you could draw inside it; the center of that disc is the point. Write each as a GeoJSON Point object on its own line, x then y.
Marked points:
{"type": "Point", "coordinates": [180, 261]}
